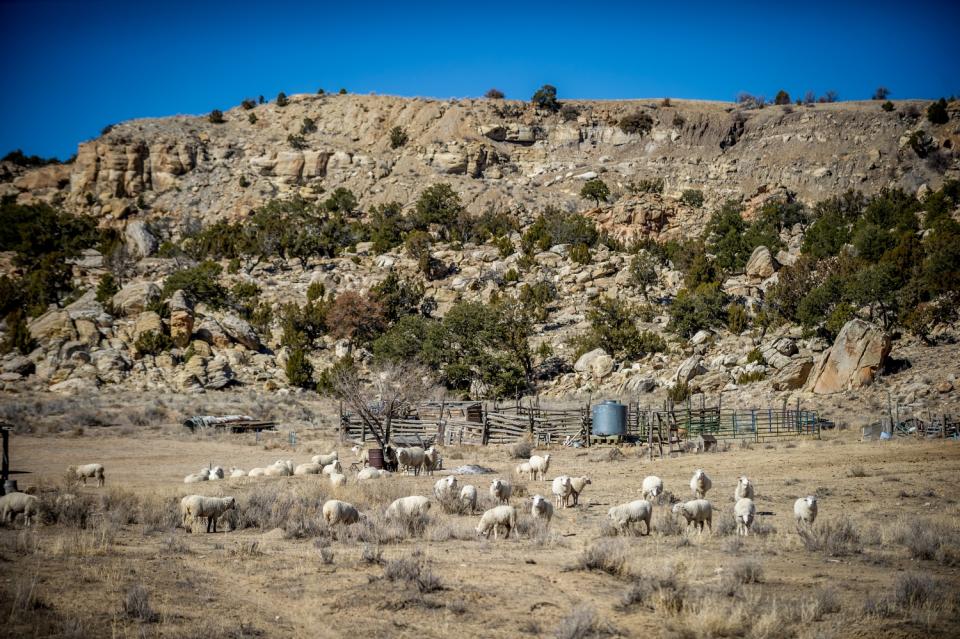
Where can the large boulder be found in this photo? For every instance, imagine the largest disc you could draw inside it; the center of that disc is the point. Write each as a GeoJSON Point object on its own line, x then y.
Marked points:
{"type": "Point", "coordinates": [181, 318]}
{"type": "Point", "coordinates": [134, 298]}
{"type": "Point", "coordinates": [210, 331]}
{"type": "Point", "coordinates": [794, 375]}
{"type": "Point", "coordinates": [240, 331]}
{"type": "Point", "coordinates": [140, 239]}
{"type": "Point", "coordinates": [761, 265]}
{"type": "Point", "coordinates": [53, 325]}
{"type": "Point", "coordinates": [19, 364]}
{"type": "Point", "coordinates": [146, 322]}
{"type": "Point", "coordinates": [689, 369]}
{"type": "Point", "coordinates": [596, 362]}
{"type": "Point", "coordinates": [853, 361]}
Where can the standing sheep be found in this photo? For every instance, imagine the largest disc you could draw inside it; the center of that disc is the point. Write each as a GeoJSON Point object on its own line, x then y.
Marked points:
{"type": "Point", "coordinates": [805, 511]}
{"type": "Point", "coordinates": [524, 471]}
{"type": "Point", "coordinates": [446, 488]}
{"type": "Point", "coordinates": [431, 460]}
{"type": "Point", "coordinates": [194, 507]}
{"type": "Point", "coordinates": [362, 455]}
{"type": "Point", "coordinates": [307, 469]}
{"type": "Point", "coordinates": [539, 465]}
{"type": "Point", "coordinates": [744, 489]}
{"type": "Point", "coordinates": [541, 509]}
{"type": "Point", "coordinates": [500, 490]}
{"type": "Point", "coordinates": [577, 484]}
{"type": "Point", "coordinates": [494, 519]}
{"type": "Point", "coordinates": [413, 506]}
{"type": "Point", "coordinates": [323, 460]}
{"type": "Point", "coordinates": [14, 504]}
{"type": "Point", "coordinates": [700, 483]}
{"type": "Point", "coordinates": [340, 512]}
{"type": "Point", "coordinates": [562, 489]}
{"type": "Point", "coordinates": [698, 511]}
{"type": "Point", "coordinates": [468, 495]}
{"type": "Point", "coordinates": [744, 512]}
{"type": "Point", "coordinates": [652, 488]}
{"type": "Point", "coordinates": [625, 516]}
{"type": "Point", "coordinates": [411, 458]}
{"type": "Point", "coordinates": [88, 470]}
{"type": "Point", "coordinates": [338, 479]}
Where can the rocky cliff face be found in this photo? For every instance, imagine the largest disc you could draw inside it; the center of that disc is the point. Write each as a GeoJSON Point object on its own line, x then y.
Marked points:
{"type": "Point", "coordinates": [501, 154]}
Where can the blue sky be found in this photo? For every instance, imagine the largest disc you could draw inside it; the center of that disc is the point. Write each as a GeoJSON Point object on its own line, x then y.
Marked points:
{"type": "Point", "coordinates": [70, 68]}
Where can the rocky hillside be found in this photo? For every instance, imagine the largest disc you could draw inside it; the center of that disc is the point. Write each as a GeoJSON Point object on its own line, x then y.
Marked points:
{"type": "Point", "coordinates": [157, 180]}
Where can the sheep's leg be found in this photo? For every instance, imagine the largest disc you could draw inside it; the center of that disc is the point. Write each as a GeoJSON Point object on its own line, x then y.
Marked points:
{"type": "Point", "coordinates": [647, 522]}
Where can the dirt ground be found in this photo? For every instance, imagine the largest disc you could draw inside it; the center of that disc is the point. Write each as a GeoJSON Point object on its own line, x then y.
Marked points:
{"type": "Point", "coordinates": [129, 572]}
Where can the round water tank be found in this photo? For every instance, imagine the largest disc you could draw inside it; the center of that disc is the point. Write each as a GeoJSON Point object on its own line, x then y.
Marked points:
{"type": "Point", "coordinates": [609, 419]}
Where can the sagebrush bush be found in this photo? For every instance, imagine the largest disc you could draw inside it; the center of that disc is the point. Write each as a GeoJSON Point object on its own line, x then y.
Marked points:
{"type": "Point", "coordinates": [606, 555]}
{"type": "Point", "coordinates": [836, 538]}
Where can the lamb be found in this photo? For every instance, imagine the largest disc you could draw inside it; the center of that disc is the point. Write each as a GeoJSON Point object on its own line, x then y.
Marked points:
{"type": "Point", "coordinates": [652, 488]}
{"type": "Point", "coordinates": [541, 509]}
{"type": "Point", "coordinates": [539, 466]}
{"type": "Point", "coordinates": [194, 478]}
{"type": "Point", "coordinates": [578, 484]}
{"type": "Point", "coordinates": [744, 489]}
{"type": "Point", "coordinates": [744, 512]}
{"type": "Point", "coordinates": [334, 468]}
{"type": "Point", "coordinates": [524, 471]}
{"type": "Point", "coordinates": [625, 516]}
{"type": "Point", "coordinates": [324, 460]}
{"type": "Point", "coordinates": [698, 511]}
{"type": "Point", "coordinates": [700, 483]}
{"type": "Point", "coordinates": [340, 512]}
{"type": "Point", "coordinates": [88, 470]}
{"type": "Point", "coordinates": [446, 488]}
{"type": "Point", "coordinates": [237, 472]}
{"type": "Point", "coordinates": [468, 495]}
{"type": "Point", "coordinates": [14, 504]}
{"type": "Point", "coordinates": [562, 489]}
{"type": "Point", "coordinates": [307, 469]}
{"type": "Point", "coordinates": [500, 490]}
{"type": "Point", "coordinates": [431, 460]}
{"type": "Point", "coordinates": [805, 511]}
{"type": "Point", "coordinates": [194, 507]}
{"type": "Point", "coordinates": [411, 458]}
{"type": "Point", "coordinates": [494, 519]}
{"type": "Point", "coordinates": [372, 473]}
{"type": "Point", "coordinates": [338, 479]}
{"type": "Point", "coordinates": [413, 506]}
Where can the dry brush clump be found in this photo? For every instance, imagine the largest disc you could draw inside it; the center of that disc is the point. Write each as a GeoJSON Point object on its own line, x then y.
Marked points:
{"type": "Point", "coordinates": [926, 540]}
{"type": "Point", "coordinates": [414, 572]}
{"type": "Point", "coordinates": [583, 622]}
{"type": "Point", "coordinates": [136, 605]}
{"type": "Point", "coordinates": [607, 555]}
{"type": "Point", "coordinates": [836, 538]}
{"type": "Point", "coordinates": [295, 510]}
{"type": "Point", "coordinates": [521, 449]}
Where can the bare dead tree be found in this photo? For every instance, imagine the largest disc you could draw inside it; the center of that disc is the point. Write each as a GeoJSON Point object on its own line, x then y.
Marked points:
{"type": "Point", "coordinates": [121, 262]}
{"type": "Point", "coordinates": [377, 402]}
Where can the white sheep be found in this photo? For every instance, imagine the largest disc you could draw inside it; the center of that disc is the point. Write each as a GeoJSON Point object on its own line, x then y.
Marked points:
{"type": "Point", "coordinates": [324, 460]}
{"type": "Point", "coordinates": [340, 512]}
{"type": "Point", "coordinates": [577, 485]}
{"type": "Point", "coordinates": [698, 511]}
{"type": "Point", "coordinates": [372, 473]}
{"type": "Point", "coordinates": [524, 471]}
{"type": "Point", "coordinates": [744, 489]}
{"type": "Point", "coordinates": [14, 504]}
{"type": "Point", "coordinates": [215, 473]}
{"type": "Point", "coordinates": [494, 519]}
{"type": "Point", "coordinates": [700, 483]}
{"type": "Point", "coordinates": [307, 469]}
{"type": "Point", "coordinates": [468, 495]}
{"type": "Point", "coordinates": [413, 506]}
{"type": "Point", "coordinates": [88, 470]}
{"type": "Point", "coordinates": [194, 478]}
{"type": "Point", "coordinates": [446, 488]}
{"type": "Point", "coordinates": [278, 468]}
{"type": "Point", "coordinates": [744, 511]}
{"type": "Point", "coordinates": [500, 490]}
{"type": "Point", "coordinates": [626, 515]}
{"type": "Point", "coordinates": [333, 468]}
{"type": "Point", "coordinates": [257, 472]}
{"type": "Point", "coordinates": [362, 454]}
{"type": "Point", "coordinates": [194, 507]}
{"type": "Point", "coordinates": [338, 479]}
{"type": "Point", "coordinates": [541, 509]}
{"type": "Point", "coordinates": [411, 458]}
{"type": "Point", "coordinates": [431, 460]}
{"type": "Point", "coordinates": [805, 511]}
{"type": "Point", "coordinates": [652, 488]}
{"type": "Point", "coordinates": [562, 489]}
{"type": "Point", "coordinates": [539, 465]}
{"type": "Point", "coordinates": [237, 472]}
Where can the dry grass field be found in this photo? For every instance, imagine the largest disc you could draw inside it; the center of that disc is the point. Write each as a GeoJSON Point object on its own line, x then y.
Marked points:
{"type": "Point", "coordinates": [884, 559]}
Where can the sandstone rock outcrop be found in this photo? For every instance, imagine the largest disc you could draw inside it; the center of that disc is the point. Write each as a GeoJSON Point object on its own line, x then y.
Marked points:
{"type": "Point", "coordinates": [853, 361]}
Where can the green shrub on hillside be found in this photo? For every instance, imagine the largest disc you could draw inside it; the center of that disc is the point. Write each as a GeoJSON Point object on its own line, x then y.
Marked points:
{"type": "Point", "coordinates": [937, 112]}
{"type": "Point", "coordinates": [703, 307]}
{"type": "Point", "coordinates": [692, 198]}
{"type": "Point", "coordinates": [299, 370]}
{"type": "Point", "coordinates": [200, 283]}
{"type": "Point", "coordinates": [546, 98]}
{"type": "Point", "coordinates": [398, 137]}
{"type": "Point", "coordinates": [636, 123]}
{"type": "Point", "coordinates": [596, 190]}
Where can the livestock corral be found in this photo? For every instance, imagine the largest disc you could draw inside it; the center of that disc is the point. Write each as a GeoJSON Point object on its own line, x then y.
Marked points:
{"type": "Point", "coordinates": [307, 554]}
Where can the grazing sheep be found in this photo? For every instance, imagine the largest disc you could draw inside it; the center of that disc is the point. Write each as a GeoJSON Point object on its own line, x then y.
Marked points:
{"type": "Point", "coordinates": [500, 490]}
{"type": "Point", "coordinates": [257, 472]}
{"type": "Point", "coordinates": [338, 479]}
{"type": "Point", "coordinates": [88, 470]}
{"type": "Point", "coordinates": [237, 472]}
{"type": "Point", "coordinates": [340, 512]}
{"type": "Point", "coordinates": [446, 488]}
{"type": "Point", "coordinates": [468, 495]}
{"type": "Point", "coordinates": [562, 489]}
{"type": "Point", "coordinates": [744, 512]}
{"type": "Point", "coordinates": [541, 509]}
{"type": "Point", "coordinates": [307, 469]}
{"type": "Point", "coordinates": [698, 511]}
{"type": "Point", "coordinates": [431, 460]}
{"type": "Point", "coordinates": [626, 515]}
{"type": "Point", "coordinates": [215, 473]}
{"type": "Point", "coordinates": [494, 519]}
{"type": "Point", "coordinates": [413, 506]}
{"type": "Point", "coordinates": [324, 460]}
{"type": "Point", "coordinates": [194, 478]}
{"type": "Point", "coordinates": [578, 484]}
{"type": "Point", "coordinates": [700, 483]}
{"type": "Point", "coordinates": [744, 489]}
{"type": "Point", "coordinates": [14, 504]}
{"type": "Point", "coordinates": [652, 488]}
{"type": "Point", "coordinates": [194, 507]}
{"type": "Point", "coordinates": [805, 511]}
{"type": "Point", "coordinates": [372, 473]}
{"type": "Point", "coordinates": [524, 471]}
{"type": "Point", "coordinates": [411, 458]}
{"type": "Point", "coordinates": [539, 465]}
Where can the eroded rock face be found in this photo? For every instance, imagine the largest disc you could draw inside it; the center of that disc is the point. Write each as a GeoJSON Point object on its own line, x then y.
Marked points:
{"type": "Point", "coordinates": [596, 363]}
{"type": "Point", "coordinates": [853, 361]}
{"type": "Point", "coordinates": [794, 375]}
{"type": "Point", "coordinates": [761, 264]}
{"type": "Point", "coordinates": [134, 298]}
{"type": "Point", "coordinates": [181, 318]}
